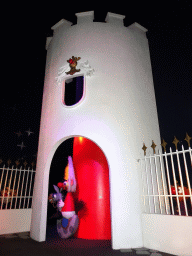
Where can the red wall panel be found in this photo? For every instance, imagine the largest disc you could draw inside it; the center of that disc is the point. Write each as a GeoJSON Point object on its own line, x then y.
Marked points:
{"type": "Point", "coordinates": [93, 192]}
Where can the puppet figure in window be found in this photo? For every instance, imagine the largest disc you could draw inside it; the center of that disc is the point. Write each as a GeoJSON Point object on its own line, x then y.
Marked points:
{"type": "Point", "coordinates": [73, 63]}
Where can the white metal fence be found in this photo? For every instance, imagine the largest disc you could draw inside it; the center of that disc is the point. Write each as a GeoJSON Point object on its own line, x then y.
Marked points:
{"type": "Point", "coordinates": [167, 180]}
{"type": "Point", "coordinates": [16, 187]}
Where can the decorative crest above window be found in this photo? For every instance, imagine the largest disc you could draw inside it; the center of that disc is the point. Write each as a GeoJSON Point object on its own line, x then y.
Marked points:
{"type": "Point", "coordinates": [73, 67]}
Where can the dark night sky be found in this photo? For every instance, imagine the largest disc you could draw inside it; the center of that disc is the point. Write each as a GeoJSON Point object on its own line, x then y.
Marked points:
{"type": "Point", "coordinates": [169, 35]}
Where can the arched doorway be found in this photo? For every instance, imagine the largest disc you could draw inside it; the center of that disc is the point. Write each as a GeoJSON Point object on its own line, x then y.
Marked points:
{"type": "Point", "coordinates": [92, 197]}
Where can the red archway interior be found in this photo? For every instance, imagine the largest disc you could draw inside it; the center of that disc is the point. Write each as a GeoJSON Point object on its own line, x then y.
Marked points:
{"type": "Point", "coordinates": [93, 192]}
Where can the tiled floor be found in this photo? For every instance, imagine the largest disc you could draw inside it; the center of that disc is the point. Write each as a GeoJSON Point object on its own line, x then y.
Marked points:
{"type": "Point", "coordinates": [21, 244]}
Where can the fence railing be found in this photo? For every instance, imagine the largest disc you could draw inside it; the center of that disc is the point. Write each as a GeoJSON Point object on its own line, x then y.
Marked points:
{"type": "Point", "coordinates": [16, 187]}
{"type": "Point", "coordinates": [167, 180]}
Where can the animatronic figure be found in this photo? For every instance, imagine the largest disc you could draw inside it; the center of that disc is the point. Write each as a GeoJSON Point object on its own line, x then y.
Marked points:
{"type": "Point", "coordinates": [73, 63]}
{"type": "Point", "coordinates": [68, 225]}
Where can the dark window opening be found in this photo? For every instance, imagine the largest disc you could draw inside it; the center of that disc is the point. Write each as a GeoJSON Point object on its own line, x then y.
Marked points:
{"type": "Point", "coordinates": [74, 88]}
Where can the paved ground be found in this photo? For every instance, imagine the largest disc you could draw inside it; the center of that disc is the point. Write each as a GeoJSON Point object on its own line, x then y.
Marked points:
{"type": "Point", "coordinates": [21, 244]}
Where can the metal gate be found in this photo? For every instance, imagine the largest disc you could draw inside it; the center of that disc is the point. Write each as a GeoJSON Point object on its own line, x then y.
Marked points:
{"type": "Point", "coordinates": [16, 190]}
{"type": "Point", "coordinates": [167, 198]}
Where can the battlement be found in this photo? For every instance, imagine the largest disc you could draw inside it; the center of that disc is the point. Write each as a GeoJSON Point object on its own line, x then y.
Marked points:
{"type": "Point", "coordinates": [62, 22]}
{"type": "Point", "coordinates": [137, 26]}
{"type": "Point", "coordinates": [114, 18]}
{"type": "Point", "coordinates": [88, 17]}
{"type": "Point", "coordinates": [84, 17]}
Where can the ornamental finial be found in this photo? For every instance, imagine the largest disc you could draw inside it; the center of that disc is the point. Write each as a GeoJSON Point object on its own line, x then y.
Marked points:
{"type": "Point", "coordinates": [188, 138]}
{"type": "Point", "coordinates": [144, 148]}
{"type": "Point", "coordinates": [175, 142]}
{"type": "Point", "coordinates": [164, 144]}
{"type": "Point", "coordinates": [153, 146]}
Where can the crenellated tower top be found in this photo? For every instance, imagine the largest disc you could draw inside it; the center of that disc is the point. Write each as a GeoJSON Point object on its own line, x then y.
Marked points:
{"type": "Point", "coordinates": [85, 17]}
{"type": "Point", "coordinates": [88, 17]}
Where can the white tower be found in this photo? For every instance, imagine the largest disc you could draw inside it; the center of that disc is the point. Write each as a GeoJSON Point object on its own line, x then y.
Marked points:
{"type": "Point", "coordinates": [117, 111]}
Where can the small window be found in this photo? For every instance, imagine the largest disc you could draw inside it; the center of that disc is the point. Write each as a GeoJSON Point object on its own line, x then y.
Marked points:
{"type": "Point", "coordinates": [74, 88]}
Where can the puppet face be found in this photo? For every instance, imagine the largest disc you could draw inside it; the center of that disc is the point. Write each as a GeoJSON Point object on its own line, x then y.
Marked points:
{"type": "Point", "coordinates": [66, 184]}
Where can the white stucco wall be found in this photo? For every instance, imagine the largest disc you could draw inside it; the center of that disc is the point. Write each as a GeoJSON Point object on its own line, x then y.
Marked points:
{"type": "Point", "coordinates": [15, 221]}
{"type": "Point", "coordinates": [118, 113]}
{"type": "Point", "coordinates": [168, 233]}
